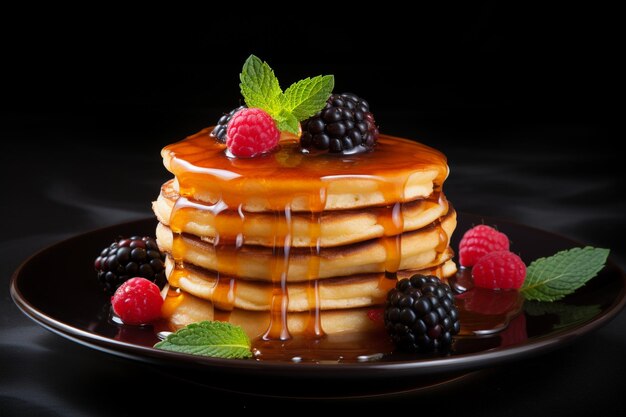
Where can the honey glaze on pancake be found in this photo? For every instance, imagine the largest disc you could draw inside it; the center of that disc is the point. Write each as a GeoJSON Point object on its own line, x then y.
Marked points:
{"type": "Point", "coordinates": [314, 326]}
{"type": "Point", "coordinates": [201, 165]}
{"type": "Point", "coordinates": [444, 240]}
{"type": "Point", "coordinates": [337, 227]}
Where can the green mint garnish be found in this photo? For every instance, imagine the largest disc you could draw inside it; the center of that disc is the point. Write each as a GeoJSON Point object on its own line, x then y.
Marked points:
{"type": "Point", "coordinates": [209, 338]}
{"type": "Point", "coordinates": [552, 278]}
{"type": "Point", "coordinates": [260, 89]}
{"type": "Point", "coordinates": [259, 86]}
{"type": "Point", "coordinates": [306, 97]}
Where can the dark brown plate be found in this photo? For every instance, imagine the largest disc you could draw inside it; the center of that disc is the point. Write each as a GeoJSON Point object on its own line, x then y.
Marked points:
{"type": "Point", "coordinates": [57, 289]}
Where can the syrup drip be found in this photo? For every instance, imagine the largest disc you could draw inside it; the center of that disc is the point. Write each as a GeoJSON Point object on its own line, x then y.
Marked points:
{"type": "Point", "coordinates": [224, 297]}
{"type": "Point", "coordinates": [392, 220]}
{"type": "Point", "coordinates": [316, 205]}
{"type": "Point", "coordinates": [226, 248]}
{"type": "Point", "coordinates": [437, 197]}
{"type": "Point", "coordinates": [314, 325]}
{"type": "Point", "coordinates": [278, 328]}
{"type": "Point", "coordinates": [173, 297]}
{"type": "Point", "coordinates": [178, 219]}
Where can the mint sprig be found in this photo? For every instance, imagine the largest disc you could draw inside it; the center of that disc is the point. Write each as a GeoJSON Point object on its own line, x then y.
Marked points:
{"type": "Point", "coordinates": [209, 338]}
{"type": "Point", "coordinates": [552, 278]}
{"type": "Point", "coordinates": [260, 89]}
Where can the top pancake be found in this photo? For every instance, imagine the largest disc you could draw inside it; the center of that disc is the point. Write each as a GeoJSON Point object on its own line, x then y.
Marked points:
{"type": "Point", "coordinates": [397, 170]}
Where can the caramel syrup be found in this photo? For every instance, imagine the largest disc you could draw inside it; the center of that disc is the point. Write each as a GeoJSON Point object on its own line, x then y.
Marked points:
{"type": "Point", "coordinates": [225, 248]}
{"type": "Point", "coordinates": [438, 198]}
{"type": "Point", "coordinates": [277, 329]}
{"type": "Point", "coordinates": [314, 325]}
{"type": "Point", "coordinates": [335, 348]}
{"type": "Point", "coordinates": [490, 319]}
{"type": "Point", "coordinates": [277, 179]}
{"type": "Point", "coordinates": [276, 182]}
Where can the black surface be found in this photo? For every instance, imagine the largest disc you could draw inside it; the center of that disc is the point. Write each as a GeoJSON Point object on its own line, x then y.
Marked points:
{"type": "Point", "coordinates": [85, 319]}
{"type": "Point", "coordinates": [520, 98]}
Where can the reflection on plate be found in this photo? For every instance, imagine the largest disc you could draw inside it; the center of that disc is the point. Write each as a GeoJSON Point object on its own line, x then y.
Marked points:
{"type": "Point", "coordinates": [57, 288]}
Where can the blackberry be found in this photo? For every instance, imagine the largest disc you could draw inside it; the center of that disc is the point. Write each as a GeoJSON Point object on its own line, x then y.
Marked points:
{"type": "Point", "coordinates": [219, 131]}
{"type": "Point", "coordinates": [420, 314]}
{"type": "Point", "coordinates": [345, 126]}
{"type": "Point", "coordinates": [128, 258]}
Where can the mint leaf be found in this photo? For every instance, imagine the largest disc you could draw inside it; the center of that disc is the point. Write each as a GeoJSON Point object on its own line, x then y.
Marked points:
{"type": "Point", "coordinates": [552, 278]}
{"type": "Point", "coordinates": [287, 121]}
{"type": "Point", "coordinates": [308, 96]}
{"type": "Point", "coordinates": [209, 338]}
{"type": "Point", "coordinates": [260, 89]}
{"type": "Point", "coordinates": [259, 86]}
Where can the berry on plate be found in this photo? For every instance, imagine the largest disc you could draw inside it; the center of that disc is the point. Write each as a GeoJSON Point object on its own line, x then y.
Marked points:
{"type": "Point", "coordinates": [420, 314]}
{"type": "Point", "coordinates": [136, 256]}
{"type": "Point", "coordinates": [251, 132]}
{"type": "Point", "coordinates": [137, 301]}
{"type": "Point", "coordinates": [499, 270]}
{"type": "Point", "coordinates": [478, 242]}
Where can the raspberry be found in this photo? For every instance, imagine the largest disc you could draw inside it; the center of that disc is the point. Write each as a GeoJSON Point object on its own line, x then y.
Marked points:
{"type": "Point", "coordinates": [499, 270]}
{"type": "Point", "coordinates": [479, 241]}
{"type": "Point", "coordinates": [251, 132]}
{"type": "Point", "coordinates": [137, 301]}
{"type": "Point", "coordinates": [219, 131]}
{"type": "Point", "coordinates": [345, 126]}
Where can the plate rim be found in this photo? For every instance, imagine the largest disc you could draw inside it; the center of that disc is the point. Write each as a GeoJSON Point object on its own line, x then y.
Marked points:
{"type": "Point", "coordinates": [430, 366]}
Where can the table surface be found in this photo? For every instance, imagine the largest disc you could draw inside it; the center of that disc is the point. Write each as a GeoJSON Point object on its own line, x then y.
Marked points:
{"type": "Point", "coordinates": [70, 181]}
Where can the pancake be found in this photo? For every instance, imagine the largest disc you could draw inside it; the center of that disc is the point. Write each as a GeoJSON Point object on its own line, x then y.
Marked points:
{"type": "Point", "coordinates": [397, 170]}
{"type": "Point", "coordinates": [419, 251]}
{"type": "Point", "coordinates": [333, 293]}
{"type": "Point", "coordinates": [185, 309]}
{"type": "Point", "coordinates": [336, 227]}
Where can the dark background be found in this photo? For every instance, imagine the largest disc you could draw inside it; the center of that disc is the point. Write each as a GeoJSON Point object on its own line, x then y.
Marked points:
{"type": "Point", "coordinates": [520, 98]}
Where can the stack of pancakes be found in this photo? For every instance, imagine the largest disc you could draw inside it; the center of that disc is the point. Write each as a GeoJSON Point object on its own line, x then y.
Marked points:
{"type": "Point", "coordinates": [252, 239]}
